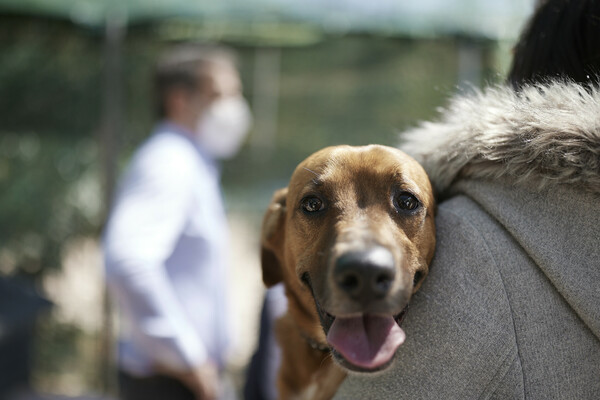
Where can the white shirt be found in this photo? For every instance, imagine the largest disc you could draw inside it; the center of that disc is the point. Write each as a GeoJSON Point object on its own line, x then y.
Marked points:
{"type": "Point", "coordinates": [165, 249]}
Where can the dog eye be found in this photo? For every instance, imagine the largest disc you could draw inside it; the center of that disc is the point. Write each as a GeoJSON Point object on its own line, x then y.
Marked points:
{"type": "Point", "coordinates": [312, 204]}
{"type": "Point", "coordinates": [406, 202]}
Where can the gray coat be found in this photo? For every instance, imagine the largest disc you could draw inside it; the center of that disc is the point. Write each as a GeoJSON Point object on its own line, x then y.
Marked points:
{"type": "Point", "coordinates": [511, 308]}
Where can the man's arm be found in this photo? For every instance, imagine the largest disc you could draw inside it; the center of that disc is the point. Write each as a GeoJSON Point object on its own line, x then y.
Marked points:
{"type": "Point", "coordinates": [147, 219]}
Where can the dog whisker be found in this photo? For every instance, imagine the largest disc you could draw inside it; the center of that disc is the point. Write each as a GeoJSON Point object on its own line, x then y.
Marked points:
{"type": "Point", "coordinates": [311, 171]}
{"type": "Point", "coordinates": [328, 357]}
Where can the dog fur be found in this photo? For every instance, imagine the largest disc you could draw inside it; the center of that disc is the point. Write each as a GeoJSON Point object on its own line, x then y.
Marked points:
{"type": "Point", "coordinates": [345, 202]}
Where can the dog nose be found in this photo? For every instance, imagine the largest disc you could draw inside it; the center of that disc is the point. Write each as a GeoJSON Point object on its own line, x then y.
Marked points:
{"type": "Point", "coordinates": [365, 275]}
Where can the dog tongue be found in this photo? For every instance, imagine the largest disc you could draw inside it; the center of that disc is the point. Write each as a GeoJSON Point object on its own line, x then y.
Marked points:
{"type": "Point", "coordinates": [367, 341]}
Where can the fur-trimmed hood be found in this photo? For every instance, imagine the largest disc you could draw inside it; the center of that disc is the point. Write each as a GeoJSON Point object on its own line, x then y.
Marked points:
{"type": "Point", "coordinates": [541, 136]}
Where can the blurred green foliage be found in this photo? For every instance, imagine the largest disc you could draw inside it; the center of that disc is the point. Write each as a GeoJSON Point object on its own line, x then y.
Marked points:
{"type": "Point", "coordinates": [49, 101]}
{"type": "Point", "coordinates": [356, 89]}
{"type": "Point", "coordinates": [49, 77]}
{"type": "Point", "coordinates": [349, 90]}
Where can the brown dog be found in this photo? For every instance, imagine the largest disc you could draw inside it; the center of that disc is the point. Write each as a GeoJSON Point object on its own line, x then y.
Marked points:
{"type": "Point", "coordinates": [351, 238]}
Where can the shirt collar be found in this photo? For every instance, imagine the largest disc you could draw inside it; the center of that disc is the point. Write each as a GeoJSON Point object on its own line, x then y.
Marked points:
{"type": "Point", "coordinates": [168, 126]}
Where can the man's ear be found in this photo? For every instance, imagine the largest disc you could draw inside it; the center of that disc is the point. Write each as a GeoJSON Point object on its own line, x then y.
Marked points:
{"type": "Point", "coordinates": [273, 239]}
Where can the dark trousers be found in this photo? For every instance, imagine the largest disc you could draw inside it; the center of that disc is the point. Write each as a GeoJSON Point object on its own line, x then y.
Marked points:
{"type": "Point", "coordinates": [157, 387]}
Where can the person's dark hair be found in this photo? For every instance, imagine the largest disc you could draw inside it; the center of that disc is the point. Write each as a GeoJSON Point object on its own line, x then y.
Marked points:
{"type": "Point", "coordinates": [561, 40]}
{"type": "Point", "coordinates": [186, 67]}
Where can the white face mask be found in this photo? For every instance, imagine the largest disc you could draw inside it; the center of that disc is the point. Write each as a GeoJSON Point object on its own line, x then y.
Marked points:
{"type": "Point", "coordinates": [222, 128]}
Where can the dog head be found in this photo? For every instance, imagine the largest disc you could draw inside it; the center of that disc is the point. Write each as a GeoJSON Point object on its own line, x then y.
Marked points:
{"type": "Point", "coordinates": [351, 238]}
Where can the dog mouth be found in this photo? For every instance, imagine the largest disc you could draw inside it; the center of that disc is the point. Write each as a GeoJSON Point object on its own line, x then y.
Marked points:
{"type": "Point", "coordinates": [366, 343]}
{"type": "Point", "coordinates": [362, 342]}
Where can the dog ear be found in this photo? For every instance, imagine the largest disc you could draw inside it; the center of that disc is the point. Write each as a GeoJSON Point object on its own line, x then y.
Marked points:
{"type": "Point", "coordinates": [272, 239]}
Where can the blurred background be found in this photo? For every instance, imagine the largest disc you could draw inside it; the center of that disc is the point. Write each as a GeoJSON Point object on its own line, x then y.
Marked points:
{"type": "Point", "coordinates": [76, 98]}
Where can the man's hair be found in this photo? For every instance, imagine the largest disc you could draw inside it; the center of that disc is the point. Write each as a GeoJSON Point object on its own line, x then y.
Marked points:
{"type": "Point", "coordinates": [561, 40]}
{"type": "Point", "coordinates": [186, 67]}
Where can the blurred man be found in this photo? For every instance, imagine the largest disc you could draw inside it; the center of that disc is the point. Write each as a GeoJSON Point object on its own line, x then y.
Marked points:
{"type": "Point", "coordinates": [166, 240]}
